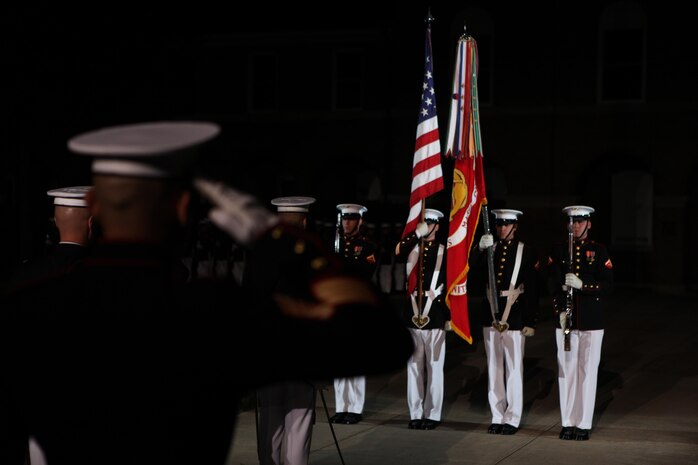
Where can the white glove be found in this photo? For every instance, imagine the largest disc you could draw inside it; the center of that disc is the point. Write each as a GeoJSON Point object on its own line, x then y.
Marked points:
{"type": "Point", "coordinates": [486, 241]}
{"type": "Point", "coordinates": [447, 326]}
{"type": "Point", "coordinates": [237, 213]}
{"type": "Point", "coordinates": [528, 331]}
{"type": "Point", "coordinates": [572, 280]}
{"type": "Point", "coordinates": [422, 230]}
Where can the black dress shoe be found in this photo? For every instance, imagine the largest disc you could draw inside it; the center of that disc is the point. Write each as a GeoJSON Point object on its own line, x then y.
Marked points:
{"type": "Point", "coordinates": [508, 429]}
{"type": "Point", "coordinates": [415, 424]}
{"type": "Point", "coordinates": [352, 418]}
{"type": "Point", "coordinates": [567, 433]}
{"type": "Point", "coordinates": [338, 417]}
{"type": "Point", "coordinates": [430, 424]}
{"type": "Point", "coordinates": [582, 434]}
{"type": "Point", "coordinates": [495, 428]}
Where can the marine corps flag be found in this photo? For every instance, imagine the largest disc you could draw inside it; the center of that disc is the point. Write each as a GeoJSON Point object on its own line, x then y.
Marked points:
{"type": "Point", "coordinates": [468, 191]}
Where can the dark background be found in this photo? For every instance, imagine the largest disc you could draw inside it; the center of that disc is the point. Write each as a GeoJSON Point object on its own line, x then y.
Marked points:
{"type": "Point", "coordinates": [587, 103]}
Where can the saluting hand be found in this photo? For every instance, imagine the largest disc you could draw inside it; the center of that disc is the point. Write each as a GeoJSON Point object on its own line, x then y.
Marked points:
{"type": "Point", "coordinates": [237, 213]}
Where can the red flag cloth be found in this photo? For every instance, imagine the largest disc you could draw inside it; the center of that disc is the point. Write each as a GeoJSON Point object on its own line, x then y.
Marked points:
{"type": "Point", "coordinates": [427, 175]}
{"type": "Point", "coordinates": [468, 190]}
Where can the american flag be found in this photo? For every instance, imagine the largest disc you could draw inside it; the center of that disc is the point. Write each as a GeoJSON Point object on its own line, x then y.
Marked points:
{"type": "Point", "coordinates": [427, 176]}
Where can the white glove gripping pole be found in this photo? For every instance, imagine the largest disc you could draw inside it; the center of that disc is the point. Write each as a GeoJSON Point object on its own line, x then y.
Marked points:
{"type": "Point", "coordinates": [487, 240]}
{"type": "Point", "coordinates": [571, 279]}
{"type": "Point", "coordinates": [422, 230]}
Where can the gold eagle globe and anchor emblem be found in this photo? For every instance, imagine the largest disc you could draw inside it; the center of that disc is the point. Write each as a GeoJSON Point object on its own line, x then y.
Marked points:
{"type": "Point", "coordinates": [459, 194]}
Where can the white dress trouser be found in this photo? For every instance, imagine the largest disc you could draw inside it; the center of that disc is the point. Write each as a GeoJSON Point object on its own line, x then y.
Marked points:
{"type": "Point", "coordinates": [578, 371]}
{"type": "Point", "coordinates": [505, 353]}
{"type": "Point", "coordinates": [425, 374]}
{"type": "Point", "coordinates": [349, 394]}
{"type": "Point", "coordinates": [286, 415]}
{"type": "Point", "coordinates": [36, 453]}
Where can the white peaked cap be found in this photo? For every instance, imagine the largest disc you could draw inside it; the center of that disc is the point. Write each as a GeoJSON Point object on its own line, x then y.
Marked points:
{"type": "Point", "coordinates": [578, 210]}
{"type": "Point", "coordinates": [69, 196]}
{"type": "Point", "coordinates": [432, 214]}
{"type": "Point", "coordinates": [507, 214]}
{"type": "Point", "coordinates": [292, 204]}
{"type": "Point", "coordinates": [349, 208]}
{"type": "Point", "coordinates": [158, 149]}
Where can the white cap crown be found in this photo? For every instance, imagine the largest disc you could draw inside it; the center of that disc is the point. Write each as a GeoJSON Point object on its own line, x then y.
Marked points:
{"type": "Point", "coordinates": [69, 196]}
{"type": "Point", "coordinates": [352, 209]}
{"type": "Point", "coordinates": [580, 211]}
{"type": "Point", "coordinates": [432, 216]}
{"type": "Point", "coordinates": [293, 204]}
{"type": "Point", "coordinates": [158, 149]}
{"type": "Point", "coordinates": [507, 216]}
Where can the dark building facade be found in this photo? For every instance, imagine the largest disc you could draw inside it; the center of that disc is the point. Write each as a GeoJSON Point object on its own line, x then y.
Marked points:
{"type": "Point", "coordinates": [591, 104]}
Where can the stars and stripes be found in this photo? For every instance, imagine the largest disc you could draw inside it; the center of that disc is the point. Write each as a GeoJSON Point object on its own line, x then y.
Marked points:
{"type": "Point", "coordinates": [427, 175]}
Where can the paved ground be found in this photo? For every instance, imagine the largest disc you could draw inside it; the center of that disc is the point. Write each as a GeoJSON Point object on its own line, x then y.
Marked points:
{"type": "Point", "coordinates": [646, 411]}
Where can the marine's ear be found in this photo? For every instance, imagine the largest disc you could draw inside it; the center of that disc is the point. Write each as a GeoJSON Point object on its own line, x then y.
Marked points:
{"type": "Point", "coordinates": [92, 203]}
{"type": "Point", "coordinates": [182, 207]}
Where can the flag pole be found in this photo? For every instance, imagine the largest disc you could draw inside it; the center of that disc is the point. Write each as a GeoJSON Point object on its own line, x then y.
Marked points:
{"type": "Point", "coordinates": [420, 288]}
{"type": "Point", "coordinates": [468, 189]}
{"type": "Point", "coordinates": [427, 178]}
{"type": "Point", "coordinates": [494, 301]}
{"type": "Point", "coordinates": [485, 213]}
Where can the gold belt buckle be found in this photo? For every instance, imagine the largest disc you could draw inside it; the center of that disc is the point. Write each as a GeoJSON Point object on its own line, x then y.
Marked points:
{"type": "Point", "coordinates": [500, 326]}
{"type": "Point", "coordinates": [420, 321]}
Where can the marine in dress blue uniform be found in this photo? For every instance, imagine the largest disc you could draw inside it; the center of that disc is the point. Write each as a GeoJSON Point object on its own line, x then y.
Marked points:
{"type": "Point", "coordinates": [74, 224]}
{"type": "Point", "coordinates": [73, 221]}
{"type": "Point", "coordinates": [427, 317]}
{"type": "Point", "coordinates": [131, 365]}
{"type": "Point", "coordinates": [506, 325]}
{"type": "Point", "coordinates": [286, 410]}
{"type": "Point", "coordinates": [590, 275]}
{"type": "Point", "coordinates": [360, 254]}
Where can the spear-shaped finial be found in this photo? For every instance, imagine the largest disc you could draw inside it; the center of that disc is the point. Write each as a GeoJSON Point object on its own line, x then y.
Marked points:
{"type": "Point", "coordinates": [429, 19]}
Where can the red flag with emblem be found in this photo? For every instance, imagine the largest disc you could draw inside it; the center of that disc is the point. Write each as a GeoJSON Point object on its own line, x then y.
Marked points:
{"type": "Point", "coordinates": [468, 190]}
